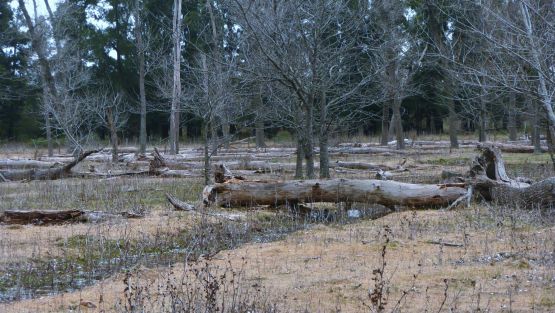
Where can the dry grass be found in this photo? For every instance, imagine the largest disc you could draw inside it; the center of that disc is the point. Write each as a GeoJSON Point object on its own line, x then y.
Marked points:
{"type": "Point", "coordinates": [503, 259]}
{"type": "Point", "coordinates": [329, 268]}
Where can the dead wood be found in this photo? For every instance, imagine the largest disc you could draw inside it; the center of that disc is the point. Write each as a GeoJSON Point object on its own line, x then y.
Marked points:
{"type": "Point", "coordinates": [26, 164]}
{"type": "Point", "coordinates": [491, 181]}
{"type": "Point", "coordinates": [388, 193]}
{"type": "Point", "coordinates": [52, 217]}
{"type": "Point", "coordinates": [512, 148]}
{"type": "Point", "coordinates": [184, 206]}
{"type": "Point", "coordinates": [446, 244]}
{"type": "Point", "coordinates": [362, 166]}
{"type": "Point", "coordinates": [222, 174]}
{"type": "Point", "coordinates": [178, 204]}
{"type": "Point", "coordinates": [45, 174]}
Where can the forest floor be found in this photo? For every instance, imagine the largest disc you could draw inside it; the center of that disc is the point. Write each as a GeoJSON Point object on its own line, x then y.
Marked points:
{"type": "Point", "coordinates": [478, 258]}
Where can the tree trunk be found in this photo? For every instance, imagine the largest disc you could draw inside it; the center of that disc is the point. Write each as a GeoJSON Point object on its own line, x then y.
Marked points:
{"type": "Point", "coordinates": [398, 123]}
{"type": "Point", "coordinates": [547, 97]}
{"type": "Point", "coordinates": [47, 125]}
{"type": "Point", "coordinates": [259, 133]}
{"type": "Point", "coordinates": [176, 87]}
{"type": "Point", "coordinates": [225, 133]}
{"type": "Point", "coordinates": [511, 118]}
{"type": "Point", "coordinates": [49, 134]}
{"type": "Point", "coordinates": [391, 131]}
{"type": "Point", "coordinates": [388, 193]}
{"type": "Point", "coordinates": [453, 125]}
{"type": "Point", "coordinates": [300, 157]}
{"type": "Point", "coordinates": [113, 134]}
{"type": "Point", "coordinates": [142, 93]}
{"type": "Point", "coordinates": [481, 129]}
{"type": "Point", "coordinates": [214, 139]}
{"type": "Point", "coordinates": [385, 124]}
{"type": "Point", "coordinates": [536, 139]}
{"type": "Point", "coordinates": [324, 139]}
{"type": "Point", "coordinates": [206, 155]}
{"type": "Point", "coordinates": [48, 82]}
{"type": "Point", "coordinates": [308, 144]}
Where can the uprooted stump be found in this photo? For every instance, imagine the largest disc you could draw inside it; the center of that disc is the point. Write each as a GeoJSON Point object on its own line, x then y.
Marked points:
{"type": "Point", "coordinates": [53, 217]}
{"type": "Point", "coordinates": [490, 180]}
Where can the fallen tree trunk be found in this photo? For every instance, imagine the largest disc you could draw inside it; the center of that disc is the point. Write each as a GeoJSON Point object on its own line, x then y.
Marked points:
{"type": "Point", "coordinates": [361, 166]}
{"type": "Point", "coordinates": [512, 148]}
{"type": "Point", "coordinates": [387, 193]}
{"type": "Point", "coordinates": [26, 164]}
{"type": "Point", "coordinates": [45, 174]}
{"type": "Point", "coordinates": [51, 217]}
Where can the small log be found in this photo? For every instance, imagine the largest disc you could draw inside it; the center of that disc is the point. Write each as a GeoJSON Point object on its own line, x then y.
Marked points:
{"type": "Point", "coordinates": [52, 217]}
{"type": "Point", "coordinates": [387, 193]}
{"type": "Point", "coordinates": [361, 166]}
{"type": "Point", "coordinates": [446, 244]}
{"type": "Point", "coordinates": [41, 217]}
{"type": "Point", "coordinates": [178, 204]}
{"type": "Point", "coordinates": [184, 206]}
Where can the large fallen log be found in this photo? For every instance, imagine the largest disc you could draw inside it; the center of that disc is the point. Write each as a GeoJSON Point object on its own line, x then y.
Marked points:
{"type": "Point", "coordinates": [45, 174]}
{"type": "Point", "coordinates": [512, 148]}
{"type": "Point", "coordinates": [25, 164]}
{"type": "Point", "coordinates": [387, 193]}
{"type": "Point", "coordinates": [51, 217]}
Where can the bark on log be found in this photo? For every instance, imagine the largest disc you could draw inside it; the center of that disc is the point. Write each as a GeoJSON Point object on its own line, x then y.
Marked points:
{"type": "Point", "coordinates": [45, 174]}
{"type": "Point", "coordinates": [388, 193]}
{"type": "Point", "coordinates": [51, 217]}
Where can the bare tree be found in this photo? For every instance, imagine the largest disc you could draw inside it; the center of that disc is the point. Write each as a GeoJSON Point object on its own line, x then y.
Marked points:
{"type": "Point", "coordinates": [141, 50]}
{"type": "Point", "coordinates": [110, 112]}
{"type": "Point", "coordinates": [176, 87]}
{"type": "Point", "coordinates": [309, 48]}
{"type": "Point", "coordinates": [519, 38]}
{"type": "Point", "coordinates": [398, 56]}
{"type": "Point", "coordinates": [61, 92]}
